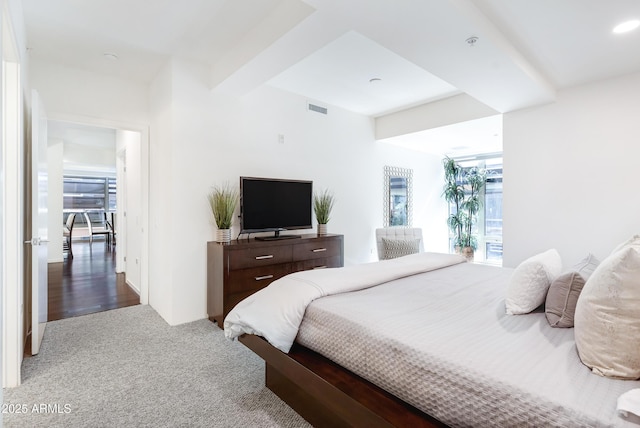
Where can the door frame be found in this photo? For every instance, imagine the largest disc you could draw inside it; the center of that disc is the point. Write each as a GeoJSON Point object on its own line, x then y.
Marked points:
{"type": "Point", "coordinates": [143, 129]}
{"type": "Point", "coordinates": [13, 224]}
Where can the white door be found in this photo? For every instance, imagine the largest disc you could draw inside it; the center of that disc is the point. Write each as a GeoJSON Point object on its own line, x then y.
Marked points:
{"type": "Point", "coordinates": [39, 222]}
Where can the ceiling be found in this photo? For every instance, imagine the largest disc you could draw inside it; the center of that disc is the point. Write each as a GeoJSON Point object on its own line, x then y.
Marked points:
{"type": "Point", "coordinates": [416, 51]}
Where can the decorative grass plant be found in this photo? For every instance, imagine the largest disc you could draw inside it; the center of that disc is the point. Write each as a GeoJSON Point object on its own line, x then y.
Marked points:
{"type": "Point", "coordinates": [322, 206]}
{"type": "Point", "coordinates": [223, 201]}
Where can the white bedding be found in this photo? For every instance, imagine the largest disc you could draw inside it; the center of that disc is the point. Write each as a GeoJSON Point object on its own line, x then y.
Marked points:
{"type": "Point", "coordinates": [442, 342]}
{"type": "Point", "coordinates": [275, 312]}
{"type": "Point", "coordinates": [433, 331]}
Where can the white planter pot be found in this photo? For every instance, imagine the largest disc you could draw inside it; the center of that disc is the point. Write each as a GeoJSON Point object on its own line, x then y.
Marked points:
{"type": "Point", "coordinates": [322, 229]}
{"type": "Point", "coordinates": [223, 235]}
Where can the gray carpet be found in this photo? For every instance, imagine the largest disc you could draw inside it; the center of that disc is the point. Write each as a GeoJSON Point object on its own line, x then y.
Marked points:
{"type": "Point", "coordinates": [129, 368]}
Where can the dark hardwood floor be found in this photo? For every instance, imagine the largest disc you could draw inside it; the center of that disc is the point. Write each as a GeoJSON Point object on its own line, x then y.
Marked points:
{"type": "Point", "coordinates": [87, 283]}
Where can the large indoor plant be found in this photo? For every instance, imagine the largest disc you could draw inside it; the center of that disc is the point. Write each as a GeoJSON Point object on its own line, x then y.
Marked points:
{"type": "Point", "coordinates": [462, 190]}
{"type": "Point", "coordinates": [223, 200]}
{"type": "Point", "coordinates": [322, 205]}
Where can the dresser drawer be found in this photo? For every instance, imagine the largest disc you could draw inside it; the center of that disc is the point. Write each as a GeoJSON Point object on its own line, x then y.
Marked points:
{"type": "Point", "coordinates": [256, 278]}
{"type": "Point", "coordinates": [261, 256]}
{"type": "Point", "coordinates": [319, 249]}
{"type": "Point", "coordinates": [328, 262]}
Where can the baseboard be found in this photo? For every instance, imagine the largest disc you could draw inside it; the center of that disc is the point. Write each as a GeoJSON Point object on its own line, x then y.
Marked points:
{"type": "Point", "coordinates": [132, 286]}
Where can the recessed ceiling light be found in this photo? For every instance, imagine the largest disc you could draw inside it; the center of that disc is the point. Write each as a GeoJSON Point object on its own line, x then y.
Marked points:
{"type": "Point", "coordinates": [375, 80]}
{"type": "Point", "coordinates": [626, 26]}
{"type": "Point", "coordinates": [110, 56]}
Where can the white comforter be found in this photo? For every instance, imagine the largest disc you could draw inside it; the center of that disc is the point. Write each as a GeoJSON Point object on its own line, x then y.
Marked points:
{"type": "Point", "coordinates": [275, 312]}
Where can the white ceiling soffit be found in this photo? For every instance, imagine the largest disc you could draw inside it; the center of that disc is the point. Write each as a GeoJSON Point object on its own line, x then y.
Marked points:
{"type": "Point", "coordinates": [429, 34]}
{"type": "Point", "coordinates": [433, 36]}
{"type": "Point", "coordinates": [479, 136]}
{"type": "Point", "coordinates": [359, 75]}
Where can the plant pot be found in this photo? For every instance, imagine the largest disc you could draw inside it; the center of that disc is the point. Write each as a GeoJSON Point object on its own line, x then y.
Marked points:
{"type": "Point", "coordinates": [322, 229]}
{"type": "Point", "coordinates": [223, 235]}
{"type": "Point", "coordinates": [468, 253]}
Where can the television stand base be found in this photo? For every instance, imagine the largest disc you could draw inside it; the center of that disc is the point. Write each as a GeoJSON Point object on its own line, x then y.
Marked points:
{"type": "Point", "coordinates": [277, 237]}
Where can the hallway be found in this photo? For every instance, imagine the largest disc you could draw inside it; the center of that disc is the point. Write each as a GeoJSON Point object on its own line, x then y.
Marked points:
{"type": "Point", "coordinates": [87, 283]}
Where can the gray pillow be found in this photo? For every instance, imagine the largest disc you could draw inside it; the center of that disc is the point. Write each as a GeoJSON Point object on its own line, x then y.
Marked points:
{"type": "Point", "coordinates": [562, 297]}
{"type": "Point", "coordinates": [399, 247]}
{"type": "Point", "coordinates": [586, 266]}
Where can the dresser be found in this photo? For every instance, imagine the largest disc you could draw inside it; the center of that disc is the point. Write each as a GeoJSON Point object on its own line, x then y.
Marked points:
{"type": "Point", "coordinates": [238, 269]}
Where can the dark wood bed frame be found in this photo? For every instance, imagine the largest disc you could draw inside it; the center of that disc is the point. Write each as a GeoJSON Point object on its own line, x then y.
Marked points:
{"type": "Point", "coordinates": [326, 394]}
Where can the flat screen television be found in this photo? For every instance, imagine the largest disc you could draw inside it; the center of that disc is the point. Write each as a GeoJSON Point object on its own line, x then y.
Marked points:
{"type": "Point", "coordinates": [271, 204]}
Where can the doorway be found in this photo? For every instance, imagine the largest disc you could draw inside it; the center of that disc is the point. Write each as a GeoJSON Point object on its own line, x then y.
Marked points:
{"type": "Point", "coordinates": [92, 183]}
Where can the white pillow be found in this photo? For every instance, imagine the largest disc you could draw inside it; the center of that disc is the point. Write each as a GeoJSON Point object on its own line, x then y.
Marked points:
{"type": "Point", "coordinates": [607, 318]}
{"type": "Point", "coordinates": [530, 282]}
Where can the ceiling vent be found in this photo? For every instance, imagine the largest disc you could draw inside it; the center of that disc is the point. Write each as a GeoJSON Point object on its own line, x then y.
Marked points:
{"type": "Point", "coordinates": [317, 109]}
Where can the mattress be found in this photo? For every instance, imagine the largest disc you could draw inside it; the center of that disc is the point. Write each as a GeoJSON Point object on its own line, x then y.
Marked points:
{"type": "Point", "coordinates": [442, 342]}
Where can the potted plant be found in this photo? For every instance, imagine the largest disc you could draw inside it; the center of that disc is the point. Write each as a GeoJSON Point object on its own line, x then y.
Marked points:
{"type": "Point", "coordinates": [223, 201]}
{"type": "Point", "coordinates": [322, 206]}
{"type": "Point", "coordinates": [462, 190]}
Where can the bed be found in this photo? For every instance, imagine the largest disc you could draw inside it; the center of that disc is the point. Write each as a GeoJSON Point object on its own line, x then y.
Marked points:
{"type": "Point", "coordinates": [420, 340]}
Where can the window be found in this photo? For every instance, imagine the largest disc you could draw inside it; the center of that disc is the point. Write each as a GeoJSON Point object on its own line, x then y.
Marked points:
{"type": "Point", "coordinates": [488, 227]}
{"type": "Point", "coordinates": [112, 194]}
{"type": "Point", "coordinates": [492, 212]}
{"type": "Point", "coordinates": [92, 194]}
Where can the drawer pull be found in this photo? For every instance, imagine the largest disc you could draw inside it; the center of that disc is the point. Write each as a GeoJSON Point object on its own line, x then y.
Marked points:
{"type": "Point", "coordinates": [270, 256]}
{"type": "Point", "coordinates": [319, 250]}
{"type": "Point", "coordinates": [260, 278]}
{"type": "Point", "coordinates": [321, 267]}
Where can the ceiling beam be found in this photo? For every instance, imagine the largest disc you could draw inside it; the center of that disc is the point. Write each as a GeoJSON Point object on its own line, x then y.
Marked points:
{"type": "Point", "coordinates": [455, 109]}
{"type": "Point", "coordinates": [268, 49]}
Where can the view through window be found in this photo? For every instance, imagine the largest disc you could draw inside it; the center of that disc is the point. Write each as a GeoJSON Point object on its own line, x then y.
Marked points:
{"type": "Point", "coordinates": [95, 195]}
{"type": "Point", "coordinates": [488, 227]}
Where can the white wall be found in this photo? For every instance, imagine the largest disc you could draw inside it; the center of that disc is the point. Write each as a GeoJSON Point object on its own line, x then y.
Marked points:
{"type": "Point", "coordinates": [69, 91]}
{"type": "Point", "coordinates": [55, 199]}
{"type": "Point", "coordinates": [570, 172]}
{"type": "Point", "coordinates": [216, 139]}
{"type": "Point", "coordinates": [160, 208]}
{"type": "Point", "coordinates": [89, 160]}
{"type": "Point", "coordinates": [133, 220]}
